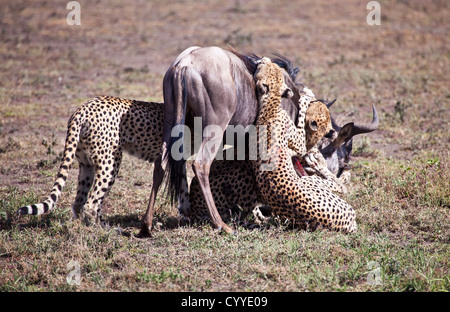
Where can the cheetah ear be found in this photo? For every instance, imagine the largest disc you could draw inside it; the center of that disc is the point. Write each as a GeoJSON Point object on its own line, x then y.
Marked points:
{"type": "Point", "coordinates": [313, 125]}
{"type": "Point", "coordinates": [287, 93]}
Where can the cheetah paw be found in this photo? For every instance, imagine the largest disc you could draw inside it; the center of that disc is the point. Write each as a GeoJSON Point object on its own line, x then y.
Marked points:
{"type": "Point", "coordinates": [316, 165]}
{"type": "Point", "coordinates": [345, 177]}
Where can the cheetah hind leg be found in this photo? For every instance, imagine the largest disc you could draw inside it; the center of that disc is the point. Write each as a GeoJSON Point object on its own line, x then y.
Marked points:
{"type": "Point", "coordinates": [184, 205]}
{"type": "Point", "coordinates": [101, 187]}
{"type": "Point", "coordinates": [85, 179]}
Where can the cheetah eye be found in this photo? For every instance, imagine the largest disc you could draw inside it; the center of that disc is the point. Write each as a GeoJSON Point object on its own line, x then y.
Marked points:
{"type": "Point", "coordinates": [313, 125]}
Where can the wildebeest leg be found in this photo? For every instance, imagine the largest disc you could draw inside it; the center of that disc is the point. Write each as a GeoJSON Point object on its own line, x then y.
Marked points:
{"type": "Point", "coordinates": [202, 165]}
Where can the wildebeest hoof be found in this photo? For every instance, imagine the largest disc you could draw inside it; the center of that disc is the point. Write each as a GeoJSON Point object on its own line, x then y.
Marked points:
{"type": "Point", "coordinates": [225, 229]}
{"type": "Point", "coordinates": [144, 232]}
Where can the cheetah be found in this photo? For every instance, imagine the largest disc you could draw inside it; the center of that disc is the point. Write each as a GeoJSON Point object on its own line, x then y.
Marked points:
{"type": "Point", "coordinates": [305, 202]}
{"type": "Point", "coordinates": [233, 183]}
{"type": "Point", "coordinates": [135, 127]}
{"type": "Point", "coordinates": [98, 132]}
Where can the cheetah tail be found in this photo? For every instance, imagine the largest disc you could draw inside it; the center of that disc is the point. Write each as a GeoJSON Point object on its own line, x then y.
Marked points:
{"type": "Point", "coordinates": [73, 135]}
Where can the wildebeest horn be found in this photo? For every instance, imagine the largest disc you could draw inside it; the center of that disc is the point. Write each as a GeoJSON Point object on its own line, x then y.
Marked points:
{"type": "Point", "coordinates": [358, 129]}
{"type": "Point", "coordinates": [330, 103]}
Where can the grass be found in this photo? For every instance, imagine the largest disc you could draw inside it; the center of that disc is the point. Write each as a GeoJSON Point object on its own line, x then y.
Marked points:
{"type": "Point", "coordinates": [410, 248]}
{"type": "Point", "coordinates": [400, 173]}
{"type": "Point", "coordinates": [416, 192]}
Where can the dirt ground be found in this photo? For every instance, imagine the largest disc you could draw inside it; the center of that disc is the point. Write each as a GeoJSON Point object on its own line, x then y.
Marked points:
{"type": "Point", "coordinates": [123, 48]}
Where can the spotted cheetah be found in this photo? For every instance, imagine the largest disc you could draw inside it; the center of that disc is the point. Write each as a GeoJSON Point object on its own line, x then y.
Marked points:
{"type": "Point", "coordinates": [233, 183]}
{"type": "Point", "coordinates": [105, 126]}
{"type": "Point", "coordinates": [305, 202]}
{"type": "Point", "coordinates": [98, 132]}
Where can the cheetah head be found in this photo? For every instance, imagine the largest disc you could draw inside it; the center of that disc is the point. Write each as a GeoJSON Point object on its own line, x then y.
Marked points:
{"type": "Point", "coordinates": [268, 77]}
{"type": "Point", "coordinates": [317, 123]}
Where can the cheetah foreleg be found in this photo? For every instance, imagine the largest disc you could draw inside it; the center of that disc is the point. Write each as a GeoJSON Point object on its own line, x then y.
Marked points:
{"type": "Point", "coordinates": [318, 165]}
{"type": "Point", "coordinates": [345, 177]}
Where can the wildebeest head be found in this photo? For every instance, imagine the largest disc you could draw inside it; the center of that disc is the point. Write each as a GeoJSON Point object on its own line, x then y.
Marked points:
{"type": "Point", "coordinates": [336, 146]}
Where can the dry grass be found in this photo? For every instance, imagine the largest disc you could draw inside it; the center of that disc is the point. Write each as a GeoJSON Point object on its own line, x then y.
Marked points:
{"type": "Point", "coordinates": [400, 173]}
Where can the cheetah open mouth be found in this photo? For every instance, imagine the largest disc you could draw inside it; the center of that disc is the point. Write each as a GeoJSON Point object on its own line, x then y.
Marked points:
{"type": "Point", "coordinates": [298, 167]}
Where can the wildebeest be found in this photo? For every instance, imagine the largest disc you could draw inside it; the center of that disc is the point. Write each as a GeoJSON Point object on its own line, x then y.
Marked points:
{"type": "Point", "coordinates": [336, 146]}
{"type": "Point", "coordinates": [216, 85]}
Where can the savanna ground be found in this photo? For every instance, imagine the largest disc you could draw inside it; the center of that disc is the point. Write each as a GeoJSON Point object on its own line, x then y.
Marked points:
{"type": "Point", "coordinates": [400, 173]}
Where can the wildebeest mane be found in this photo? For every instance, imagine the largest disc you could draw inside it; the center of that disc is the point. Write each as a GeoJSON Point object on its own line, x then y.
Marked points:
{"type": "Point", "coordinates": [287, 65]}
{"type": "Point", "coordinates": [250, 60]}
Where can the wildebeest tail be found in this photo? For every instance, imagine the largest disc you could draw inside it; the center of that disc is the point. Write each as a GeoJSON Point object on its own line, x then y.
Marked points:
{"type": "Point", "coordinates": [176, 162]}
{"type": "Point", "coordinates": [72, 138]}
